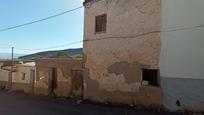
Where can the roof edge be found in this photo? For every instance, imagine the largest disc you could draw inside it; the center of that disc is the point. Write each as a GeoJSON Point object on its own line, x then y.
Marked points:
{"type": "Point", "coordinates": [88, 2]}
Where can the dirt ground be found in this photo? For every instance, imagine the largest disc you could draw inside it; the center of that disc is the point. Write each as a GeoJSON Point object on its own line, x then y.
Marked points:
{"type": "Point", "coordinates": [17, 103]}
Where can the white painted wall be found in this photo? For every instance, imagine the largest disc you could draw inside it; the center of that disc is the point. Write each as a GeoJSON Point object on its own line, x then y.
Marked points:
{"type": "Point", "coordinates": [4, 75]}
{"type": "Point", "coordinates": [19, 75]}
{"type": "Point", "coordinates": [182, 52]}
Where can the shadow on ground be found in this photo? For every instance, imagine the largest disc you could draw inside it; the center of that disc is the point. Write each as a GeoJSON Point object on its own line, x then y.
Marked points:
{"type": "Point", "coordinates": [17, 103]}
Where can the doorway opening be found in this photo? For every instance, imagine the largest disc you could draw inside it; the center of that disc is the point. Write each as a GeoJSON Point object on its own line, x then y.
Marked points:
{"type": "Point", "coordinates": [52, 79]}
{"type": "Point", "coordinates": [77, 83]}
{"type": "Point", "coordinates": [32, 80]}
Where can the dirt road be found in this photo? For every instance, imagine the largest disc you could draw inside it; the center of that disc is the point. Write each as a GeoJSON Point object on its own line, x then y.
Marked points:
{"type": "Point", "coordinates": [16, 103]}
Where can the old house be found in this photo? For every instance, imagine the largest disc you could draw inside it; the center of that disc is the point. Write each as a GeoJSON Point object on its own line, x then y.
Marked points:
{"type": "Point", "coordinates": [145, 52]}
{"type": "Point", "coordinates": [4, 79]}
{"type": "Point", "coordinates": [121, 50]}
{"type": "Point", "coordinates": [61, 77]}
{"type": "Point", "coordinates": [7, 71]}
{"type": "Point", "coordinates": [19, 77]}
{"type": "Point", "coordinates": [24, 79]}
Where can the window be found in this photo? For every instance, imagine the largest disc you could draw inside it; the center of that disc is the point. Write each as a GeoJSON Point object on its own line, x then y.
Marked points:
{"type": "Point", "coordinates": [100, 24]}
{"type": "Point", "coordinates": [150, 76]}
{"type": "Point", "coordinates": [23, 76]}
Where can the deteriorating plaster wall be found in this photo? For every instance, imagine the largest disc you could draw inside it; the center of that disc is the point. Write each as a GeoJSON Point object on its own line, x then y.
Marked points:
{"type": "Point", "coordinates": [114, 59]}
{"type": "Point", "coordinates": [63, 67]}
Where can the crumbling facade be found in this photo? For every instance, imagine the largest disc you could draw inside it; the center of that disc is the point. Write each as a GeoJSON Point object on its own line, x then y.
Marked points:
{"type": "Point", "coordinates": [55, 76]}
{"type": "Point", "coordinates": [121, 51]}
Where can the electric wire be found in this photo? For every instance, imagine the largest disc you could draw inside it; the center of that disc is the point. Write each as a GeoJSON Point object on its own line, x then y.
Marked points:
{"type": "Point", "coordinates": [111, 37]}
{"type": "Point", "coordinates": [40, 20]}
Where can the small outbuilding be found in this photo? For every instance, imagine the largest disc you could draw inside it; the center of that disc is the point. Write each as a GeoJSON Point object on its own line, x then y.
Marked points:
{"type": "Point", "coordinates": [61, 77]}
{"type": "Point", "coordinates": [24, 79]}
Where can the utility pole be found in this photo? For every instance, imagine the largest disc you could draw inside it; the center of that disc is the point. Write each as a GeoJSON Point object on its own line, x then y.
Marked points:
{"type": "Point", "coordinates": [12, 55]}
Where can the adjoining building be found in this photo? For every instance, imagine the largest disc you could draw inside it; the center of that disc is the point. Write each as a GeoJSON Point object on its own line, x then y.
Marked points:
{"type": "Point", "coordinates": [24, 79]}
{"type": "Point", "coordinates": [7, 71]}
{"type": "Point", "coordinates": [61, 77]}
{"type": "Point", "coordinates": [181, 59]}
{"type": "Point", "coordinates": [4, 79]}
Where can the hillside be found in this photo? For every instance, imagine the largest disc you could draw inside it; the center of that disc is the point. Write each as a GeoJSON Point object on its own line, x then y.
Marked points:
{"type": "Point", "coordinates": [51, 54]}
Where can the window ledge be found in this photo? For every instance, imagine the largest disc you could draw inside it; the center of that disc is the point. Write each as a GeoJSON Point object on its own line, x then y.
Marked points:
{"type": "Point", "coordinates": [102, 32]}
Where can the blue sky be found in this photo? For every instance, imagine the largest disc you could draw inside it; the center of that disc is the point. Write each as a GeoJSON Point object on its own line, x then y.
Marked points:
{"type": "Point", "coordinates": [53, 32]}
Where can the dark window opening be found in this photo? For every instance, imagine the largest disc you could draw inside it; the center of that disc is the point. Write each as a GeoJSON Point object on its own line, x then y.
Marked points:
{"type": "Point", "coordinates": [23, 76]}
{"type": "Point", "coordinates": [100, 24]}
{"type": "Point", "coordinates": [151, 76]}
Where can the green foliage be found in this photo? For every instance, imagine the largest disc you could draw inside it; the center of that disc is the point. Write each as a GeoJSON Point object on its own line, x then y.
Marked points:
{"type": "Point", "coordinates": [61, 54]}
{"type": "Point", "coordinates": [78, 56]}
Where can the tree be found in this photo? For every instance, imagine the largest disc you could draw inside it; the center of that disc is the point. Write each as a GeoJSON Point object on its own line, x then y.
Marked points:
{"type": "Point", "coordinates": [61, 54]}
{"type": "Point", "coordinates": [78, 56]}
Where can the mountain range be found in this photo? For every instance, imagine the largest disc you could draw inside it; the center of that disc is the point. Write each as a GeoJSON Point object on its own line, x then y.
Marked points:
{"type": "Point", "coordinates": [50, 54]}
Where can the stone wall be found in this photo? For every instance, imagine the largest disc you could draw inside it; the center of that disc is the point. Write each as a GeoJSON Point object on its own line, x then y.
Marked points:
{"type": "Point", "coordinates": [64, 67]}
{"type": "Point", "coordinates": [114, 59]}
{"type": "Point", "coordinates": [6, 63]}
{"type": "Point", "coordinates": [41, 83]}
{"type": "Point", "coordinates": [25, 87]}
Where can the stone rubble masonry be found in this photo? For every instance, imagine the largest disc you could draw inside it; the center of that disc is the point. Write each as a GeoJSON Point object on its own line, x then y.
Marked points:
{"type": "Point", "coordinates": [64, 67]}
